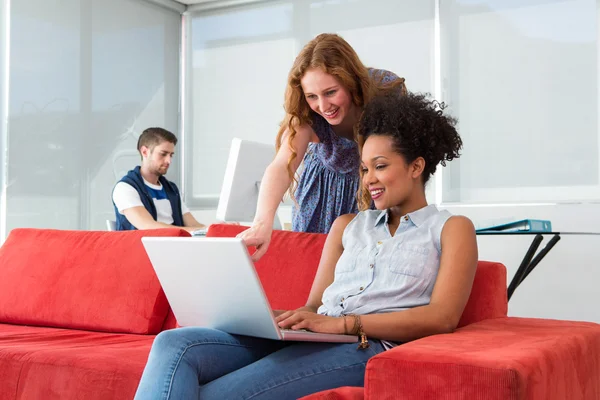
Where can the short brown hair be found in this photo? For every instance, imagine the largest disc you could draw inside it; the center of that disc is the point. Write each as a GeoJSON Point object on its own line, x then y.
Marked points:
{"type": "Point", "coordinates": [152, 137]}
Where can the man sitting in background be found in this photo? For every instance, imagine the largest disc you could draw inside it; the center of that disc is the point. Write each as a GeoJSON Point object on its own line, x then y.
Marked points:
{"type": "Point", "coordinates": [144, 198]}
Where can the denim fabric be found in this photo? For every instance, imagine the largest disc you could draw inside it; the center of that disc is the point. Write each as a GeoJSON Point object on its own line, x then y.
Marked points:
{"type": "Point", "coordinates": [200, 363]}
{"type": "Point", "coordinates": [378, 272]}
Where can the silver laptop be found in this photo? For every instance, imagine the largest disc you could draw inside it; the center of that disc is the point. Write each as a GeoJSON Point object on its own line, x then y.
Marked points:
{"type": "Point", "coordinates": [212, 283]}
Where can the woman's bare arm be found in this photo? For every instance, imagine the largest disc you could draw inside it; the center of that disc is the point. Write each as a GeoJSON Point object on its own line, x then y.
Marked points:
{"type": "Point", "coordinates": [452, 288]}
{"type": "Point", "coordinates": [332, 251]}
{"type": "Point", "coordinates": [275, 182]}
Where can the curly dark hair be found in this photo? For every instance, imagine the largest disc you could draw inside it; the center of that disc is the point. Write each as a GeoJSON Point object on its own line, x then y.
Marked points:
{"type": "Point", "coordinates": [418, 127]}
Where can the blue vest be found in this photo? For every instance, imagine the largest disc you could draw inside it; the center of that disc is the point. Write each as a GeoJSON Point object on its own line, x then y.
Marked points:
{"type": "Point", "coordinates": [134, 178]}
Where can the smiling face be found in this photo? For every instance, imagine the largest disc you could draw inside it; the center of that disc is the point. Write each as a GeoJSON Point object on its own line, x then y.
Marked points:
{"type": "Point", "coordinates": [387, 176]}
{"type": "Point", "coordinates": [326, 96]}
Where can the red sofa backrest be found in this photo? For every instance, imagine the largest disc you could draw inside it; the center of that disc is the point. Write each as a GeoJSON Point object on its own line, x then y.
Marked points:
{"type": "Point", "coordinates": [99, 281]}
{"type": "Point", "coordinates": [288, 268]}
{"type": "Point", "coordinates": [286, 271]}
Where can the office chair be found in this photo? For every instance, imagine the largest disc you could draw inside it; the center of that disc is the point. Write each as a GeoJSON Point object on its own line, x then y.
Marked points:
{"type": "Point", "coordinates": [111, 225]}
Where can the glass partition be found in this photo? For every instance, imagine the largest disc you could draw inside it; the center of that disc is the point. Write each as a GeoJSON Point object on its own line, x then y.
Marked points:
{"type": "Point", "coordinates": [85, 79]}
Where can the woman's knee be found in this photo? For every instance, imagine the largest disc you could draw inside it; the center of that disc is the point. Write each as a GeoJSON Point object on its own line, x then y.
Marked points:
{"type": "Point", "coordinates": [176, 340]}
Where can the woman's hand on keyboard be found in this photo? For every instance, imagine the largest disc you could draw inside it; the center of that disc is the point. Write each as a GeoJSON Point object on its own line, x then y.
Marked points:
{"type": "Point", "coordinates": [310, 320]}
{"type": "Point", "coordinates": [281, 315]}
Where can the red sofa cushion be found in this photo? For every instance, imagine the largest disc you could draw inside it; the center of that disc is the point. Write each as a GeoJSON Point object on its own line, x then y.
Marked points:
{"type": "Point", "coordinates": [170, 321]}
{"type": "Point", "coordinates": [498, 359]}
{"type": "Point", "coordinates": [52, 364]}
{"type": "Point", "coordinates": [99, 281]}
{"type": "Point", "coordinates": [288, 268]}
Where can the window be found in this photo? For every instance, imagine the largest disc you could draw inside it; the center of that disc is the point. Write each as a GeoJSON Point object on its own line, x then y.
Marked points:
{"type": "Point", "coordinates": [239, 65]}
{"type": "Point", "coordinates": [521, 76]}
{"type": "Point", "coordinates": [85, 79]}
{"type": "Point", "coordinates": [240, 58]}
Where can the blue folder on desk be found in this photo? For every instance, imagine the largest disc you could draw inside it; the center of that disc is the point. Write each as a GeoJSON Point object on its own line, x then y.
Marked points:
{"type": "Point", "coordinates": [523, 225]}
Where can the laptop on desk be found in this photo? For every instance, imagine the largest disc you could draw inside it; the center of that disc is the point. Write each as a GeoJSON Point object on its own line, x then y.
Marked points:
{"type": "Point", "coordinates": [212, 283]}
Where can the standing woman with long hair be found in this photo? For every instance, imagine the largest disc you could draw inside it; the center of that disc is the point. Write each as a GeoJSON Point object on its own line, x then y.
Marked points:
{"type": "Point", "coordinates": [327, 88]}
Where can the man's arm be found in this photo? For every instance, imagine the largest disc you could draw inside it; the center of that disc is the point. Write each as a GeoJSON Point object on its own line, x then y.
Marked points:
{"type": "Point", "coordinates": [141, 219]}
{"type": "Point", "coordinates": [129, 203]}
{"type": "Point", "coordinates": [190, 222]}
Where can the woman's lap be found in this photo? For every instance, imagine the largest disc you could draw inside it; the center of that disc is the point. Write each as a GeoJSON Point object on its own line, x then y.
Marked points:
{"type": "Point", "coordinates": [210, 364]}
{"type": "Point", "coordinates": [296, 370]}
{"type": "Point", "coordinates": [183, 359]}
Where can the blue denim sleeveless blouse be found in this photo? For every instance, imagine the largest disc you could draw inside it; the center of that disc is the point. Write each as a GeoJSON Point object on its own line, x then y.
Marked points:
{"type": "Point", "coordinates": [378, 272]}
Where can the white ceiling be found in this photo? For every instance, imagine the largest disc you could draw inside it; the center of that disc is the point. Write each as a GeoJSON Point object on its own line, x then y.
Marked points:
{"type": "Point", "coordinates": [197, 5]}
{"type": "Point", "coordinates": [188, 2]}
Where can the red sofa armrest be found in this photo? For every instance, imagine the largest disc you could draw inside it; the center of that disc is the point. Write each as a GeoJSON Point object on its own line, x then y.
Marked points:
{"type": "Point", "coordinates": [488, 295]}
{"type": "Point", "coordinates": [498, 359]}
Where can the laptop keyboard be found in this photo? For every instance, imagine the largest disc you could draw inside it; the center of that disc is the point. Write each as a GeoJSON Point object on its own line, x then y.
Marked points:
{"type": "Point", "coordinates": [296, 330]}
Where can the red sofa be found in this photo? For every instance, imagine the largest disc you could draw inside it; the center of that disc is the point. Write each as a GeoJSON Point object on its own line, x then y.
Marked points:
{"type": "Point", "coordinates": [79, 311]}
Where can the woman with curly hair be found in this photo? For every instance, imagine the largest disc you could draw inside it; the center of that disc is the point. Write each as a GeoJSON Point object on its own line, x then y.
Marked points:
{"type": "Point", "coordinates": [327, 88]}
{"type": "Point", "coordinates": [390, 275]}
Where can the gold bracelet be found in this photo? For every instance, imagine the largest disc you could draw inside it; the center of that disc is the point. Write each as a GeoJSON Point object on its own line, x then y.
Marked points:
{"type": "Point", "coordinates": [354, 329]}
{"type": "Point", "coordinates": [364, 342]}
{"type": "Point", "coordinates": [357, 329]}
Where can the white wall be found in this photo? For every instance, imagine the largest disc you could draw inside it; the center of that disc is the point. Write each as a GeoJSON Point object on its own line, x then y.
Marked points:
{"type": "Point", "coordinates": [565, 284]}
{"type": "Point", "coordinates": [3, 102]}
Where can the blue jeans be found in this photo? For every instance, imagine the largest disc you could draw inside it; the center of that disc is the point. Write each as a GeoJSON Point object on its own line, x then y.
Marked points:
{"type": "Point", "coordinates": [200, 363]}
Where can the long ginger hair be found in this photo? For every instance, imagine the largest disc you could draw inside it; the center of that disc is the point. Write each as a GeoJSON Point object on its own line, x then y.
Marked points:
{"type": "Point", "coordinates": [336, 57]}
